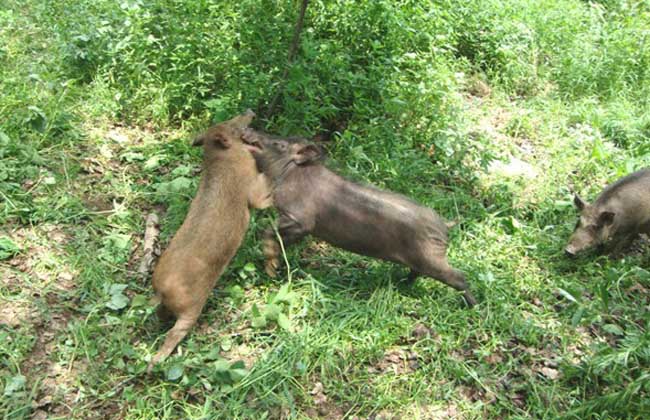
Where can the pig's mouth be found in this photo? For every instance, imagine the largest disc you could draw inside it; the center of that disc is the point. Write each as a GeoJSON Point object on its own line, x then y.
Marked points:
{"type": "Point", "coordinates": [252, 145]}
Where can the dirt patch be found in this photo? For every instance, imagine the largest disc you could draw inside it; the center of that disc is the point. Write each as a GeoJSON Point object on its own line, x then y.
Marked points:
{"type": "Point", "coordinates": [420, 332]}
{"type": "Point", "coordinates": [58, 391]}
{"type": "Point", "coordinates": [41, 257]}
{"type": "Point", "coordinates": [493, 123]}
{"type": "Point", "coordinates": [324, 408]}
{"type": "Point", "coordinates": [249, 355]}
{"type": "Point", "coordinates": [16, 313]}
{"type": "Point", "coordinates": [396, 360]}
{"type": "Point", "coordinates": [478, 87]}
{"type": "Point", "coordinates": [417, 411]}
{"type": "Point", "coordinates": [436, 412]}
{"type": "Point", "coordinates": [10, 280]}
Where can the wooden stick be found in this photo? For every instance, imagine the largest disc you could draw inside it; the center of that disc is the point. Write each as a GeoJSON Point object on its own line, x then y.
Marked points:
{"type": "Point", "coordinates": [151, 249]}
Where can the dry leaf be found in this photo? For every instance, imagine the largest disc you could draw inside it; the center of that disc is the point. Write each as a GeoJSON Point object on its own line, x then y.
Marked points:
{"type": "Point", "coordinates": [319, 397]}
{"type": "Point", "coordinates": [550, 373]}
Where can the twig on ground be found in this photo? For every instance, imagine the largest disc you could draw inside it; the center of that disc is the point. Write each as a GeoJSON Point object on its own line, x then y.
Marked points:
{"type": "Point", "coordinates": [151, 248]}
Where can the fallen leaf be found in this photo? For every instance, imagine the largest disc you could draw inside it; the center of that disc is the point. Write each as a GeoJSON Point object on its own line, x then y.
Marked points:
{"type": "Point", "coordinates": [550, 373]}
{"type": "Point", "coordinates": [494, 358]}
{"type": "Point", "coordinates": [421, 331]}
{"type": "Point", "coordinates": [116, 136]}
{"type": "Point", "coordinates": [39, 415]}
{"type": "Point", "coordinates": [318, 394]}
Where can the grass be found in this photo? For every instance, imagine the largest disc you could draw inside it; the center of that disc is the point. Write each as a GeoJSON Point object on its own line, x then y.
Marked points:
{"type": "Point", "coordinates": [100, 101]}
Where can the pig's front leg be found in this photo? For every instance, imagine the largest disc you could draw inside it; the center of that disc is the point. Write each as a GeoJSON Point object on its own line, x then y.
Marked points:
{"type": "Point", "coordinates": [291, 231]}
{"type": "Point", "coordinates": [618, 246]}
{"type": "Point", "coordinates": [260, 194]}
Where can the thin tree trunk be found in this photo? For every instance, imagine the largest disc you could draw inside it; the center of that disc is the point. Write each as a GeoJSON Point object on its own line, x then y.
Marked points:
{"type": "Point", "coordinates": [293, 48]}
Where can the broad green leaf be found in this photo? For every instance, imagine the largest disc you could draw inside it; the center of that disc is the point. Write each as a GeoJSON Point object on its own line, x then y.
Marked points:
{"type": "Point", "coordinates": [221, 365]}
{"type": "Point", "coordinates": [152, 163]}
{"type": "Point", "coordinates": [175, 371]}
{"type": "Point", "coordinates": [180, 184]}
{"type": "Point", "coordinates": [613, 329]}
{"type": "Point", "coordinates": [284, 322]}
{"type": "Point", "coordinates": [239, 364]}
{"type": "Point", "coordinates": [7, 248]}
{"type": "Point", "coordinates": [118, 301]}
{"type": "Point", "coordinates": [226, 344]}
{"type": "Point", "coordinates": [213, 354]}
{"type": "Point", "coordinates": [282, 293]}
{"type": "Point", "coordinates": [119, 241]}
{"type": "Point", "coordinates": [258, 322]}
{"type": "Point", "coordinates": [139, 301]}
{"type": "Point", "coordinates": [271, 311]}
{"type": "Point", "coordinates": [15, 383]}
{"type": "Point", "coordinates": [235, 292]}
{"type": "Point", "coordinates": [237, 374]}
{"type": "Point", "coordinates": [182, 170]}
{"type": "Point", "coordinates": [132, 156]}
{"type": "Point", "coordinates": [117, 288]}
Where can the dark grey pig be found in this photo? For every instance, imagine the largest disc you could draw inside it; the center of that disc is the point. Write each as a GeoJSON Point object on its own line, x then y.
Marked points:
{"type": "Point", "coordinates": [618, 215]}
{"type": "Point", "coordinates": [311, 199]}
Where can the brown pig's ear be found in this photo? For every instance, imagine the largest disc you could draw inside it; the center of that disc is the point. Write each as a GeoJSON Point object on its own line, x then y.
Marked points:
{"type": "Point", "coordinates": [307, 154]}
{"type": "Point", "coordinates": [606, 218]}
{"type": "Point", "coordinates": [579, 202]}
{"type": "Point", "coordinates": [217, 139]}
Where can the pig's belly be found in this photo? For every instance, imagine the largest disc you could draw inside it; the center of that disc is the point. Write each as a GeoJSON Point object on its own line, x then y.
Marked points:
{"type": "Point", "coordinates": [373, 241]}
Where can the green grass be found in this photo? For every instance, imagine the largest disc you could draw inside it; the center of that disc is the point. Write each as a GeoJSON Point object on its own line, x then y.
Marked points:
{"type": "Point", "coordinates": [99, 103]}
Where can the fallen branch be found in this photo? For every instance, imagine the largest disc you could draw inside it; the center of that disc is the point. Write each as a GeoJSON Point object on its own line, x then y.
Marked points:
{"type": "Point", "coordinates": [151, 248]}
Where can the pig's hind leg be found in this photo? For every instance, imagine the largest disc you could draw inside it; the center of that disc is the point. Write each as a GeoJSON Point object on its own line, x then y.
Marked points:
{"type": "Point", "coordinates": [412, 276]}
{"type": "Point", "coordinates": [290, 232]}
{"type": "Point", "coordinates": [437, 267]}
{"type": "Point", "coordinates": [164, 314]}
{"type": "Point", "coordinates": [186, 303]}
{"type": "Point", "coordinates": [174, 336]}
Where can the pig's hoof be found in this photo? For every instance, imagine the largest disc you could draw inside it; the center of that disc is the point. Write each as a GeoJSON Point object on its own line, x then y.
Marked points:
{"type": "Point", "coordinates": [469, 299]}
{"type": "Point", "coordinates": [269, 268]}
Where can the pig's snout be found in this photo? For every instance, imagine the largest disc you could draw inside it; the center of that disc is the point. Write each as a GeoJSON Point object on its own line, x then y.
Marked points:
{"type": "Point", "coordinates": [569, 252]}
{"type": "Point", "coordinates": [251, 141]}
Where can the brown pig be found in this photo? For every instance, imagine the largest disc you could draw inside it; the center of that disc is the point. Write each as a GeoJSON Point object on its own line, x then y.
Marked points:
{"type": "Point", "coordinates": [311, 199]}
{"type": "Point", "coordinates": [213, 228]}
{"type": "Point", "coordinates": [618, 215]}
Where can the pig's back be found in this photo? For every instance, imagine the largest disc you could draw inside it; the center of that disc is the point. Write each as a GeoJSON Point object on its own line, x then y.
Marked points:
{"type": "Point", "coordinates": [633, 189]}
{"type": "Point", "coordinates": [377, 223]}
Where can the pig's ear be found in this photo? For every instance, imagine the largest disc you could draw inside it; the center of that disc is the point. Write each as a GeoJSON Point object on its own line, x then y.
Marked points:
{"type": "Point", "coordinates": [606, 218]}
{"type": "Point", "coordinates": [579, 202]}
{"type": "Point", "coordinates": [307, 154]}
{"type": "Point", "coordinates": [212, 138]}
